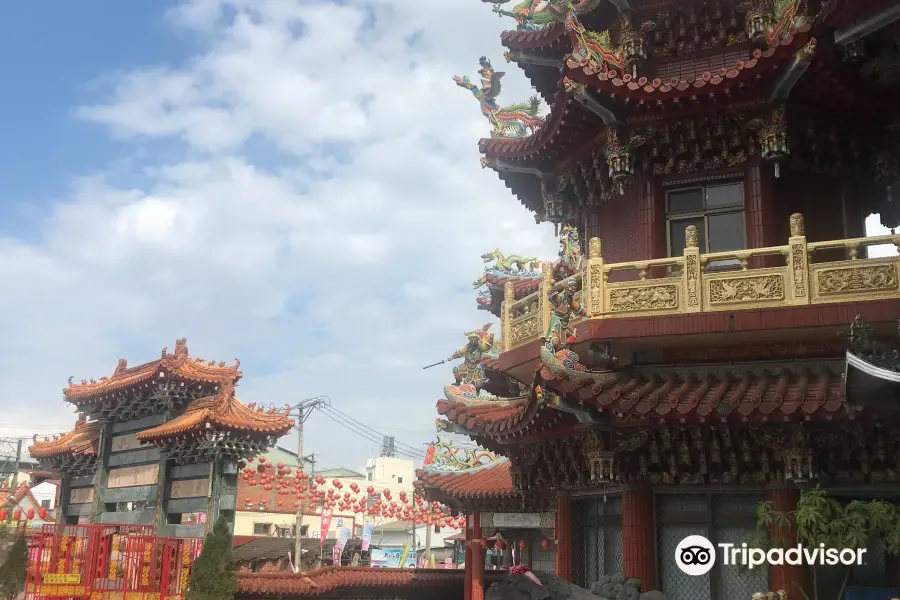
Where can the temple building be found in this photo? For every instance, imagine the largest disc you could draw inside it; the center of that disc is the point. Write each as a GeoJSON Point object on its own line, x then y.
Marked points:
{"type": "Point", "coordinates": [158, 444]}
{"type": "Point", "coordinates": [709, 167]}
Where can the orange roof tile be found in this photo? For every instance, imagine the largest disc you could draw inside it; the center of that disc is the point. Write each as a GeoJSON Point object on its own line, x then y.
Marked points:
{"type": "Point", "coordinates": [491, 481]}
{"type": "Point", "coordinates": [81, 440]}
{"type": "Point", "coordinates": [330, 579]}
{"type": "Point", "coordinates": [179, 364]}
{"type": "Point", "coordinates": [489, 417]}
{"type": "Point", "coordinates": [223, 411]}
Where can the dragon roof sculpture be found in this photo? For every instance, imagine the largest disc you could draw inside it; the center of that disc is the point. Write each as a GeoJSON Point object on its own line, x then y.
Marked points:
{"type": "Point", "coordinates": [532, 15]}
{"type": "Point", "coordinates": [444, 456]}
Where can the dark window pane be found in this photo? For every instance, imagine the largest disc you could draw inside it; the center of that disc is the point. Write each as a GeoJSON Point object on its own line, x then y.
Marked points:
{"type": "Point", "coordinates": [676, 235]}
{"type": "Point", "coordinates": [720, 196]}
{"type": "Point", "coordinates": [686, 201]}
{"type": "Point", "coordinates": [726, 232]}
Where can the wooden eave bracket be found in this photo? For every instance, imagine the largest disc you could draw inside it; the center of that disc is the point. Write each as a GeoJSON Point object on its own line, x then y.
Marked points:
{"type": "Point", "coordinates": [788, 78]}
{"type": "Point", "coordinates": [498, 164]}
{"type": "Point", "coordinates": [868, 24]}
{"type": "Point", "coordinates": [528, 58]}
{"type": "Point", "coordinates": [587, 99]}
{"type": "Point", "coordinates": [583, 415]}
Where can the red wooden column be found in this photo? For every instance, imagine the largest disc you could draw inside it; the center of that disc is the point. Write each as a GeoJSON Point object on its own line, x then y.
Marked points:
{"type": "Point", "coordinates": [564, 536]}
{"type": "Point", "coordinates": [783, 577]}
{"type": "Point", "coordinates": [467, 581]}
{"type": "Point", "coordinates": [637, 537]}
{"type": "Point", "coordinates": [477, 550]}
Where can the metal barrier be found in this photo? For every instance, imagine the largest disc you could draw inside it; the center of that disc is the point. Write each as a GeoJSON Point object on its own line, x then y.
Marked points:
{"type": "Point", "coordinates": [108, 562]}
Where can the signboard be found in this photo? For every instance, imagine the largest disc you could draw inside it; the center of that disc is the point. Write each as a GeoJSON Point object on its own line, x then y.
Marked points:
{"type": "Point", "coordinates": [368, 528]}
{"type": "Point", "coordinates": [339, 522]}
{"type": "Point", "coordinates": [390, 557]}
{"type": "Point", "coordinates": [81, 496]}
{"type": "Point", "coordinates": [133, 476]}
{"type": "Point", "coordinates": [61, 578]}
{"type": "Point", "coordinates": [517, 520]}
{"type": "Point", "coordinates": [123, 443]}
{"type": "Point", "coordinates": [190, 488]}
{"type": "Point", "coordinates": [201, 518]}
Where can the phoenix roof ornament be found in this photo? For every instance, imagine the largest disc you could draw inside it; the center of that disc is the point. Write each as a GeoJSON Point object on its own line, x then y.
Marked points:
{"type": "Point", "coordinates": [513, 121]}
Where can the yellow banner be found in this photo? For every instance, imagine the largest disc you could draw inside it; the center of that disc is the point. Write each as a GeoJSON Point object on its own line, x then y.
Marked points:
{"type": "Point", "coordinates": [61, 578]}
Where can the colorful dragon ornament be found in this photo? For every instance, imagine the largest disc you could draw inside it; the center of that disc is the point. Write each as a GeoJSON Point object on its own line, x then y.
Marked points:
{"type": "Point", "coordinates": [443, 456]}
{"type": "Point", "coordinates": [536, 14]}
{"type": "Point", "coordinates": [513, 121]}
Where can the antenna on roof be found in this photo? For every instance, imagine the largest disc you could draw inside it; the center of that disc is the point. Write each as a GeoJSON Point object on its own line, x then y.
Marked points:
{"type": "Point", "coordinates": [387, 447]}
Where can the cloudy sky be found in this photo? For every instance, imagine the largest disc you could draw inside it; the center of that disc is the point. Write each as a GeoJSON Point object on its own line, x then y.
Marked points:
{"type": "Point", "coordinates": [294, 183]}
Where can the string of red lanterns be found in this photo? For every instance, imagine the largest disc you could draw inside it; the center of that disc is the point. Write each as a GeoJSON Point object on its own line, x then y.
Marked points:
{"type": "Point", "coordinates": [295, 486]}
{"type": "Point", "coordinates": [17, 514]}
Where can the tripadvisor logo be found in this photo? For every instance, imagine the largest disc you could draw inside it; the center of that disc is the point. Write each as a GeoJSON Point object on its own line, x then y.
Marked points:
{"type": "Point", "coordinates": [696, 555]}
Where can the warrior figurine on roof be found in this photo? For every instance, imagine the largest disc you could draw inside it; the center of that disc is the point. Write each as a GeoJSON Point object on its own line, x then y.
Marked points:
{"type": "Point", "coordinates": [564, 308]}
{"type": "Point", "coordinates": [480, 344]}
{"type": "Point", "coordinates": [536, 14]}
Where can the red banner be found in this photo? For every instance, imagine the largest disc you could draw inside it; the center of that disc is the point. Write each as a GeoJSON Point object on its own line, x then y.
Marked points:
{"type": "Point", "coordinates": [325, 525]}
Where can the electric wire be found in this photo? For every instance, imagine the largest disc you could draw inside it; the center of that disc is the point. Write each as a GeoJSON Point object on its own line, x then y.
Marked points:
{"type": "Point", "coordinates": [369, 435]}
{"type": "Point", "coordinates": [367, 427]}
{"type": "Point", "coordinates": [399, 446]}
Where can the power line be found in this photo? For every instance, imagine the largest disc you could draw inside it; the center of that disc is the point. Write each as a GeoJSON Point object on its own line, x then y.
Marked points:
{"type": "Point", "coordinates": [372, 434]}
{"type": "Point", "coordinates": [398, 445]}
{"type": "Point", "coordinates": [367, 434]}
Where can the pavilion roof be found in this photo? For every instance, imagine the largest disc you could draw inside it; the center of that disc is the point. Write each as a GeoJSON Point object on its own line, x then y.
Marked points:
{"type": "Point", "coordinates": [493, 480]}
{"type": "Point", "coordinates": [358, 579]}
{"type": "Point", "coordinates": [222, 411]}
{"type": "Point", "coordinates": [179, 365]}
{"type": "Point", "coordinates": [660, 397]}
{"type": "Point", "coordinates": [83, 439]}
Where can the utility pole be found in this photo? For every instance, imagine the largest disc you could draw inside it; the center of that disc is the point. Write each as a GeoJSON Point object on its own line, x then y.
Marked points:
{"type": "Point", "coordinates": [427, 552]}
{"type": "Point", "coordinates": [15, 477]}
{"type": "Point", "coordinates": [304, 409]}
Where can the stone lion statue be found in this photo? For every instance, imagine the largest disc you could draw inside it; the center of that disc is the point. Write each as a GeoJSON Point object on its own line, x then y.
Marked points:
{"type": "Point", "coordinates": [521, 585]}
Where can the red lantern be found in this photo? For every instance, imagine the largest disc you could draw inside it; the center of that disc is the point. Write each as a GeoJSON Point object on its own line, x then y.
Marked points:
{"type": "Point", "coordinates": [3, 514]}
{"type": "Point", "coordinates": [262, 459]}
{"type": "Point", "coordinates": [280, 466]}
{"type": "Point", "coordinates": [17, 514]}
{"type": "Point", "coordinates": [501, 544]}
{"type": "Point", "coordinates": [370, 490]}
{"type": "Point", "coordinates": [521, 543]}
{"type": "Point", "coordinates": [30, 513]}
{"type": "Point", "coordinates": [484, 543]}
{"type": "Point", "coordinates": [545, 544]}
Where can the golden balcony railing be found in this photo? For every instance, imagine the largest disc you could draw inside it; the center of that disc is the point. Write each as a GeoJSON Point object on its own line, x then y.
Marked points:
{"type": "Point", "coordinates": [696, 283]}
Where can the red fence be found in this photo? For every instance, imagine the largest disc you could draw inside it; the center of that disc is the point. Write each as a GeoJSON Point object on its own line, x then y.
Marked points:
{"type": "Point", "coordinates": [108, 562]}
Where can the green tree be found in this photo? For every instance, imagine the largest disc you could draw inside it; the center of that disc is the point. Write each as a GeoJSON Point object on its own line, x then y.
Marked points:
{"type": "Point", "coordinates": [212, 575]}
{"type": "Point", "coordinates": [820, 519]}
{"type": "Point", "coordinates": [12, 571]}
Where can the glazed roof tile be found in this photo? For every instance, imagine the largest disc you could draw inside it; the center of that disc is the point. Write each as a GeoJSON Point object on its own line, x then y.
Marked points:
{"type": "Point", "coordinates": [518, 39]}
{"type": "Point", "coordinates": [222, 411]}
{"type": "Point", "coordinates": [179, 364]}
{"type": "Point", "coordinates": [747, 395]}
{"type": "Point", "coordinates": [488, 417]}
{"type": "Point", "coordinates": [331, 579]}
{"type": "Point", "coordinates": [490, 481]}
{"type": "Point", "coordinates": [83, 439]}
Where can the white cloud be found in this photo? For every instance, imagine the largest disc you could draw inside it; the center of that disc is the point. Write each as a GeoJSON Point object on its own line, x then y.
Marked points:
{"type": "Point", "coordinates": [323, 226]}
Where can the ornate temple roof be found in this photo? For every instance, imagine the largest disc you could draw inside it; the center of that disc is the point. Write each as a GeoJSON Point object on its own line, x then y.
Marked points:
{"type": "Point", "coordinates": [222, 412]}
{"type": "Point", "coordinates": [83, 439]}
{"type": "Point", "coordinates": [178, 365]}
{"type": "Point", "coordinates": [332, 580]}
{"type": "Point", "coordinates": [490, 481]}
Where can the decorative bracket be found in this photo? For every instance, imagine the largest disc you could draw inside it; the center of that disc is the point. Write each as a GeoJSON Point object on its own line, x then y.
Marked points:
{"type": "Point", "coordinates": [582, 414]}
{"type": "Point", "coordinates": [868, 24]}
{"type": "Point", "coordinates": [498, 164]}
{"type": "Point", "coordinates": [584, 97]}
{"type": "Point", "coordinates": [529, 58]}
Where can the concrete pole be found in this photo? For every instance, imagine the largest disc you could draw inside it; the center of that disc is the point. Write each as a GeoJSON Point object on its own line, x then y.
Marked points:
{"type": "Point", "coordinates": [298, 521]}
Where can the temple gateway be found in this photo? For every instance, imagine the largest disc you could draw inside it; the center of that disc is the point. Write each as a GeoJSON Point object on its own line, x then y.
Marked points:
{"type": "Point", "coordinates": [709, 167]}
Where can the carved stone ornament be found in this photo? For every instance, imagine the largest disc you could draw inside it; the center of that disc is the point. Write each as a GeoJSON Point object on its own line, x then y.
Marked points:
{"type": "Point", "coordinates": [690, 237]}
{"type": "Point", "coordinates": [798, 227]}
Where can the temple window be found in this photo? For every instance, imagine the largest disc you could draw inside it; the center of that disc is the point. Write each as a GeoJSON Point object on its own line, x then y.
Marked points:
{"type": "Point", "coordinates": [596, 539]}
{"type": "Point", "coordinates": [721, 518]}
{"type": "Point", "coordinates": [716, 210]}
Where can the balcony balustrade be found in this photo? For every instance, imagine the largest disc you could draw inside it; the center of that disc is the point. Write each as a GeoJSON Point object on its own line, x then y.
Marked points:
{"type": "Point", "coordinates": [719, 281]}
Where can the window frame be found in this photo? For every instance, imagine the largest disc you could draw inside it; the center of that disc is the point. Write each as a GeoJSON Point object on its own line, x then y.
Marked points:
{"type": "Point", "coordinates": [268, 526]}
{"type": "Point", "coordinates": [704, 213]}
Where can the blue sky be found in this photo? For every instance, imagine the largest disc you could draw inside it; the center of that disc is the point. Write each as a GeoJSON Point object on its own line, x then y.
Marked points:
{"type": "Point", "coordinates": [291, 182]}
{"type": "Point", "coordinates": [295, 183]}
